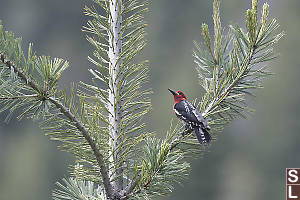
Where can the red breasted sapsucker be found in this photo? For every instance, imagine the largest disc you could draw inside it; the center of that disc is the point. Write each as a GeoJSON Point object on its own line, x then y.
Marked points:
{"type": "Point", "coordinates": [191, 117]}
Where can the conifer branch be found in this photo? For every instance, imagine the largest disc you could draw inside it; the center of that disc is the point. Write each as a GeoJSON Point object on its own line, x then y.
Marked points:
{"type": "Point", "coordinates": [23, 77]}
{"type": "Point", "coordinates": [114, 105]}
{"type": "Point", "coordinates": [217, 32]}
{"type": "Point", "coordinates": [64, 110]}
{"type": "Point", "coordinates": [19, 97]}
{"type": "Point", "coordinates": [118, 36]}
{"type": "Point", "coordinates": [177, 140]}
{"type": "Point", "coordinates": [218, 99]}
{"type": "Point", "coordinates": [100, 159]}
{"type": "Point", "coordinates": [103, 129]}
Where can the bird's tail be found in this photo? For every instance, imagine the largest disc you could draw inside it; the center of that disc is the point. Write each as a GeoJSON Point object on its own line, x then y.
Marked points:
{"type": "Point", "coordinates": [203, 135]}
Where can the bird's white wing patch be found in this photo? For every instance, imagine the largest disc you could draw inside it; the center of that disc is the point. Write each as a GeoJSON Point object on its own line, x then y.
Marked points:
{"type": "Point", "coordinates": [186, 107]}
{"type": "Point", "coordinates": [177, 113]}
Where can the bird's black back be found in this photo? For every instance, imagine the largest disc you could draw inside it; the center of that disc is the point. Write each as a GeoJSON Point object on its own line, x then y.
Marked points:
{"type": "Point", "coordinates": [187, 112]}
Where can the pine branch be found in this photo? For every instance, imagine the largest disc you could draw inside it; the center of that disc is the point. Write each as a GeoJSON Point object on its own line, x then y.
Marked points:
{"type": "Point", "coordinates": [144, 185]}
{"type": "Point", "coordinates": [118, 36]}
{"type": "Point", "coordinates": [85, 133]}
{"type": "Point", "coordinates": [228, 73]}
{"type": "Point", "coordinates": [218, 99]}
{"type": "Point", "coordinates": [238, 72]}
{"type": "Point", "coordinates": [162, 166]}
{"type": "Point", "coordinates": [103, 129]}
{"type": "Point", "coordinates": [179, 139]}
{"type": "Point", "coordinates": [64, 110]}
{"type": "Point", "coordinates": [217, 32]}
{"type": "Point", "coordinates": [131, 192]}
{"type": "Point", "coordinates": [19, 97]}
{"type": "Point", "coordinates": [23, 77]}
{"type": "Point", "coordinates": [114, 104]}
{"type": "Point", "coordinates": [74, 189]}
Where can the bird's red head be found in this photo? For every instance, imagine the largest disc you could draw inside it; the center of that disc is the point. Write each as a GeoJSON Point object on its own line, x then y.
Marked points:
{"type": "Point", "coordinates": [178, 96]}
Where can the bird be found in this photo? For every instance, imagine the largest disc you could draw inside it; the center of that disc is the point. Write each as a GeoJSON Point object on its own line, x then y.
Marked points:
{"type": "Point", "coordinates": [191, 117]}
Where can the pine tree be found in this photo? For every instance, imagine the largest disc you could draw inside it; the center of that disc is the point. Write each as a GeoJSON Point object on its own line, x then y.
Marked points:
{"type": "Point", "coordinates": [101, 123]}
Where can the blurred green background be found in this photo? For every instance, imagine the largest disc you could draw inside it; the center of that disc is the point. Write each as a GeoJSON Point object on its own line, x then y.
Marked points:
{"type": "Point", "coordinates": [249, 158]}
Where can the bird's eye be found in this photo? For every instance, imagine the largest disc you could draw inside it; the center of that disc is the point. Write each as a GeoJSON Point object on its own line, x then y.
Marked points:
{"type": "Point", "coordinates": [180, 93]}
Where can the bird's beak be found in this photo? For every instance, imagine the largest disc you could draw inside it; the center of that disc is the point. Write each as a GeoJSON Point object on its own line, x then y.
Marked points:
{"type": "Point", "coordinates": [174, 93]}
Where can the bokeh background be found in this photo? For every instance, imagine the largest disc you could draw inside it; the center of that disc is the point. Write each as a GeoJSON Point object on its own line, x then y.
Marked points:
{"type": "Point", "coordinates": [249, 158]}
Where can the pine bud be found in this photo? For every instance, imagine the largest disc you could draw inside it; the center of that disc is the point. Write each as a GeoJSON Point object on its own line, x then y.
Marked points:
{"type": "Point", "coordinates": [264, 19]}
{"type": "Point", "coordinates": [206, 36]}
